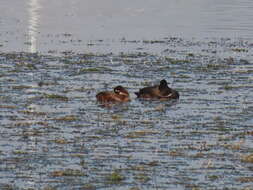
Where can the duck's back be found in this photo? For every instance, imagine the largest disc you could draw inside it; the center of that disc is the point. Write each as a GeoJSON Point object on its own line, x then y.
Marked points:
{"type": "Point", "coordinates": [148, 92]}
{"type": "Point", "coordinates": [105, 97]}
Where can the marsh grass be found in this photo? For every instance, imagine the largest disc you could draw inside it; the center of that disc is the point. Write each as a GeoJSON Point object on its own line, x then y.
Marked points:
{"type": "Point", "coordinates": [94, 70]}
{"type": "Point", "coordinates": [247, 158]}
{"type": "Point", "coordinates": [35, 113]}
{"type": "Point", "coordinates": [67, 118]}
{"type": "Point", "coordinates": [49, 188]}
{"type": "Point", "coordinates": [158, 145]}
{"type": "Point", "coordinates": [134, 188]}
{"type": "Point", "coordinates": [176, 61]}
{"type": "Point", "coordinates": [176, 153]}
{"type": "Point", "coordinates": [88, 187]}
{"type": "Point", "coordinates": [234, 146]}
{"type": "Point", "coordinates": [20, 152]}
{"type": "Point", "coordinates": [56, 96]}
{"type": "Point", "coordinates": [61, 141]}
{"type": "Point", "coordinates": [8, 107]}
{"type": "Point", "coordinates": [115, 178]}
{"type": "Point", "coordinates": [239, 50]}
{"type": "Point", "coordinates": [213, 177]}
{"type": "Point", "coordinates": [20, 87]}
{"type": "Point", "coordinates": [142, 177]}
{"type": "Point", "coordinates": [67, 172]}
{"type": "Point", "coordinates": [153, 41]}
{"type": "Point", "coordinates": [245, 179]}
{"type": "Point", "coordinates": [228, 87]}
{"type": "Point", "coordinates": [8, 187]}
{"type": "Point", "coordinates": [139, 134]}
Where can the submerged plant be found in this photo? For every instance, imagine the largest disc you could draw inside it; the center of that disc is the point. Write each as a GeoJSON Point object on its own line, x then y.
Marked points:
{"type": "Point", "coordinates": [67, 118]}
{"type": "Point", "coordinates": [67, 172]}
{"type": "Point", "coordinates": [56, 96]}
{"type": "Point", "coordinates": [115, 177]}
{"type": "Point", "coordinates": [248, 158]}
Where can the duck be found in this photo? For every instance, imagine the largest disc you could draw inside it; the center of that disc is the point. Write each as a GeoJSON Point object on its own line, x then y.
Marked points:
{"type": "Point", "coordinates": [119, 94]}
{"type": "Point", "coordinates": [159, 92]}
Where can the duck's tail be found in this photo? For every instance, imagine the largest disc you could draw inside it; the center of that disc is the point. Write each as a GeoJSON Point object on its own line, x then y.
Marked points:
{"type": "Point", "coordinates": [175, 94]}
{"type": "Point", "coordinates": [137, 94]}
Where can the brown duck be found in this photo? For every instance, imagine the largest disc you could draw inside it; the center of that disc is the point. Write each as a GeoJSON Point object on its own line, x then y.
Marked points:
{"type": "Point", "coordinates": [160, 92]}
{"type": "Point", "coordinates": [119, 94]}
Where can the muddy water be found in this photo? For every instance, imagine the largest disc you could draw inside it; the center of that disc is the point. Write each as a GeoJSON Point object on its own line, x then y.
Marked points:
{"type": "Point", "coordinates": [53, 133]}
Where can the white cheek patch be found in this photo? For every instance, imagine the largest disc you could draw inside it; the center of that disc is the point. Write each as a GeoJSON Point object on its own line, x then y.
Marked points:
{"type": "Point", "coordinates": [169, 95]}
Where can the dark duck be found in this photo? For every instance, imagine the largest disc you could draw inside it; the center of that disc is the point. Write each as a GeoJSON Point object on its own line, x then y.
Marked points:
{"type": "Point", "coordinates": [119, 94]}
{"type": "Point", "coordinates": [159, 92]}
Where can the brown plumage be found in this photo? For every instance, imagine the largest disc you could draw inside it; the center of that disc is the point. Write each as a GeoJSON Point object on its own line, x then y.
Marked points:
{"type": "Point", "coordinates": [161, 92]}
{"type": "Point", "coordinates": [119, 94]}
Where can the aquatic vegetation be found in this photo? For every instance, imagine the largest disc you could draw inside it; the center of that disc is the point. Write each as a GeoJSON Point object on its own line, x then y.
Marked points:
{"type": "Point", "coordinates": [49, 188]}
{"type": "Point", "coordinates": [26, 65]}
{"type": "Point", "coordinates": [54, 135]}
{"type": "Point", "coordinates": [176, 153]}
{"type": "Point", "coordinates": [228, 87]}
{"type": "Point", "coordinates": [115, 177]}
{"type": "Point", "coordinates": [142, 177]}
{"type": "Point", "coordinates": [20, 87]}
{"type": "Point", "coordinates": [67, 118]}
{"type": "Point", "coordinates": [213, 177]}
{"type": "Point", "coordinates": [19, 152]}
{"type": "Point", "coordinates": [239, 50]}
{"type": "Point", "coordinates": [153, 41]}
{"type": "Point", "coordinates": [190, 54]}
{"type": "Point", "coordinates": [88, 187]}
{"type": "Point", "coordinates": [56, 96]}
{"type": "Point", "coordinates": [247, 158]}
{"type": "Point", "coordinates": [8, 107]}
{"type": "Point", "coordinates": [30, 112]}
{"type": "Point", "coordinates": [93, 70]}
{"type": "Point", "coordinates": [176, 61]}
{"type": "Point", "coordinates": [245, 179]}
{"type": "Point", "coordinates": [235, 146]}
{"type": "Point", "coordinates": [134, 188]}
{"type": "Point", "coordinates": [61, 141]}
{"type": "Point", "coordinates": [8, 187]}
{"type": "Point", "coordinates": [139, 134]}
{"type": "Point", "coordinates": [67, 172]}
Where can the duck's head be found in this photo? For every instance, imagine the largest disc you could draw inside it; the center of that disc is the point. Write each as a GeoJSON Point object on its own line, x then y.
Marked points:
{"type": "Point", "coordinates": [120, 90]}
{"type": "Point", "coordinates": [163, 84]}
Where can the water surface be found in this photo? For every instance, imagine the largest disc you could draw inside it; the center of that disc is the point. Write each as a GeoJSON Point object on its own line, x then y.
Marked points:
{"type": "Point", "coordinates": [54, 133]}
{"type": "Point", "coordinates": [84, 25]}
{"type": "Point", "coordinates": [56, 55]}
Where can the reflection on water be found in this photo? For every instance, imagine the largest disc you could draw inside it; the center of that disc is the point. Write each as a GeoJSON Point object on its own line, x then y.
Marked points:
{"type": "Point", "coordinates": [34, 7]}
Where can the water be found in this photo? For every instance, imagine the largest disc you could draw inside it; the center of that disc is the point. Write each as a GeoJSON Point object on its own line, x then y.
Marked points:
{"type": "Point", "coordinates": [83, 25]}
{"type": "Point", "coordinates": [54, 135]}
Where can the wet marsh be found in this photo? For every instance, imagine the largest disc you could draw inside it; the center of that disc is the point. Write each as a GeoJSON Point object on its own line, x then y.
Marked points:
{"type": "Point", "coordinates": [54, 135]}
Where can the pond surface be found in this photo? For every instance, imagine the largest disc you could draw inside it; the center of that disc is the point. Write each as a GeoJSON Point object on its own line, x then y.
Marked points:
{"type": "Point", "coordinates": [85, 25]}
{"type": "Point", "coordinates": [54, 135]}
